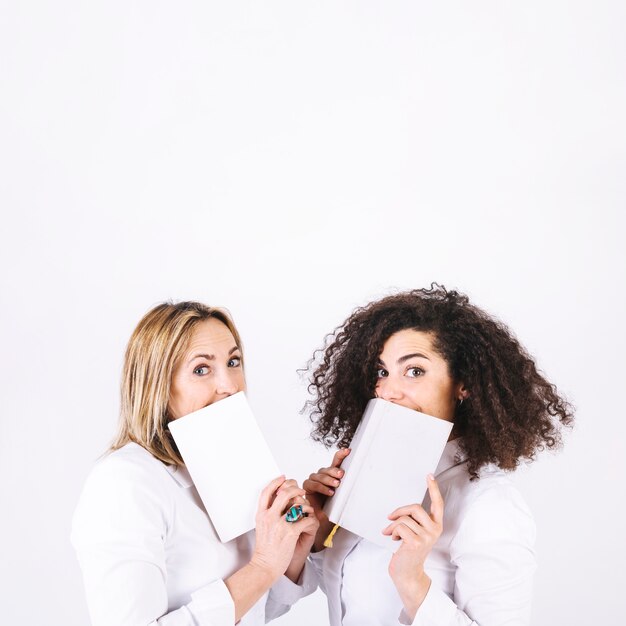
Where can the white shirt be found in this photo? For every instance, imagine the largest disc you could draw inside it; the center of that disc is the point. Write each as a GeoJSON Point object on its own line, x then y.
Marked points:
{"type": "Point", "coordinates": [150, 555]}
{"type": "Point", "coordinates": [481, 567]}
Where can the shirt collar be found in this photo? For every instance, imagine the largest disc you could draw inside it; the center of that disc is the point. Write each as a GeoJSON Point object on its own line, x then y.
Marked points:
{"type": "Point", "coordinates": [181, 475]}
{"type": "Point", "coordinates": [452, 455]}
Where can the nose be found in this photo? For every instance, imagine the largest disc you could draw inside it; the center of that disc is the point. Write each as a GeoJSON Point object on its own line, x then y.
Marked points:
{"type": "Point", "coordinates": [389, 389]}
{"type": "Point", "coordinates": [226, 384]}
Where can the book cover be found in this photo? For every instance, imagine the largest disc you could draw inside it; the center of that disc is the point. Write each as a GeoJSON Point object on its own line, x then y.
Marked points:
{"type": "Point", "coordinates": [229, 461]}
{"type": "Point", "coordinates": [393, 450]}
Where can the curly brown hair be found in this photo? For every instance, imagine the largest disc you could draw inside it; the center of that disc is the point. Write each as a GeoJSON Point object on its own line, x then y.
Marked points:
{"type": "Point", "coordinates": [512, 411]}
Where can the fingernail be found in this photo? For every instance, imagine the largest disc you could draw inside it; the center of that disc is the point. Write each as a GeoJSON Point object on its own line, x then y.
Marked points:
{"type": "Point", "coordinates": [336, 482]}
{"type": "Point", "coordinates": [431, 477]}
{"type": "Point", "coordinates": [330, 492]}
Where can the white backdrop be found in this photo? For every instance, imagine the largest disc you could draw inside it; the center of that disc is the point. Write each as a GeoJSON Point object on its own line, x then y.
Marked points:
{"type": "Point", "coordinates": [291, 160]}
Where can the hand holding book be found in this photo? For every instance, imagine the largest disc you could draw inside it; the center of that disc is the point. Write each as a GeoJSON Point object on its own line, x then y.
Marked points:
{"type": "Point", "coordinates": [321, 485]}
{"type": "Point", "coordinates": [392, 451]}
{"type": "Point", "coordinates": [207, 440]}
{"type": "Point", "coordinates": [418, 531]}
{"type": "Point", "coordinates": [277, 543]}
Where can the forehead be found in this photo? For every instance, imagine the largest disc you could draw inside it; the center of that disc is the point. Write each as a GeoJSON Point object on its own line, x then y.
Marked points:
{"type": "Point", "coordinates": [211, 335]}
{"type": "Point", "coordinates": [411, 341]}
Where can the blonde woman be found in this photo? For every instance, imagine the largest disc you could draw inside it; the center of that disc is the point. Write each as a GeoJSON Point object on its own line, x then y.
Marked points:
{"type": "Point", "coordinates": [146, 546]}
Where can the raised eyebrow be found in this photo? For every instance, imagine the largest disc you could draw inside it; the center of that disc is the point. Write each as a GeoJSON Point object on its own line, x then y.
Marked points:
{"type": "Point", "coordinates": [407, 357]}
{"type": "Point", "coordinates": [211, 357]}
{"type": "Point", "coordinates": [208, 357]}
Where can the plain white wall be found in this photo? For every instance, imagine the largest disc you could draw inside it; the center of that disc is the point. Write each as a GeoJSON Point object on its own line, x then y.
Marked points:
{"type": "Point", "coordinates": [291, 160]}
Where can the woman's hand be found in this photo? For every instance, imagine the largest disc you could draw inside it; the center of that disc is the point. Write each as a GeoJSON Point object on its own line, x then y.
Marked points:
{"type": "Point", "coordinates": [276, 538]}
{"type": "Point", "coordinates": [307, 533]}
{"type": "Point", "coordinates": [418, 531]}
{"type": "Point", "coordinates": [319, 486]}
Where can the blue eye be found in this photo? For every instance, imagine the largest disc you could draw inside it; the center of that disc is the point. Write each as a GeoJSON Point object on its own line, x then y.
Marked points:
{"type": "Point", "coordinates": [381, 372]}
{"type": "Point", "coordinates": [201, 370]}
{"type": "Point", "coordinates": [415, 372]}
{"type": "Point", "coordinates": [234, 362]}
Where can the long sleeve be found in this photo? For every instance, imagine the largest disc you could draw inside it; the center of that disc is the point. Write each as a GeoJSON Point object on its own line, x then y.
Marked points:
{"type": "Point", "coordinates": [494, 561]}
{"type": "Point", "coordinates": [285, 593]}
{"type": "Point", "coordinates": [120, 532]}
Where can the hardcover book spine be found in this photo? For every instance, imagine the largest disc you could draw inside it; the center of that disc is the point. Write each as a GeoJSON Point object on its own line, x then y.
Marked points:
{"type": "Point", "coordinates": [360, 444]}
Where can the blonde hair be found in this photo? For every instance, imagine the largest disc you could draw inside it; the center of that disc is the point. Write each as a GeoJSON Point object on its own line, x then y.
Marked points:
{"type": "Point", "coordinates": [154, 349]}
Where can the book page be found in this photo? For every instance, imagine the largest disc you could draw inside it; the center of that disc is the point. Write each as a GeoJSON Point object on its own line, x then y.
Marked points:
{"type": "Point", "coordinates": [405, 447]}
{"type": "Point", "coordinates": [229, 462]}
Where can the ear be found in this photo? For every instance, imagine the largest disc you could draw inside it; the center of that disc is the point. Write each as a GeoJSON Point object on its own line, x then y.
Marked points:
{"type": "Point", "coordinates": [461, 392]}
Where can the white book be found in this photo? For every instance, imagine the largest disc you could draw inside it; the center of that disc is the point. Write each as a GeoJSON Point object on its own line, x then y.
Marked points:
{"type": "Point", "coordinates": [393, 450]}
{"type": "Point", "coordinates": [229, 462]}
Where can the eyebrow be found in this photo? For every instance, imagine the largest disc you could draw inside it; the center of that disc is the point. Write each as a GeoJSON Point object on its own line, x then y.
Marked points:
{"type": "Point", "coordinates": [407, 357]}
{"type": "Point", "coordinates": [211, 357]}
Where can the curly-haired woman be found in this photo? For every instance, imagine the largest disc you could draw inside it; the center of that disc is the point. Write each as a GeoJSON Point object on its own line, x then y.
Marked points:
{"type": "Point", "coordinates": [472, 563]}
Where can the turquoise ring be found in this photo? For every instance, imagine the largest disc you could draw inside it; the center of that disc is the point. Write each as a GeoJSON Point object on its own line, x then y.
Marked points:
{"type": "Point", "coordinates": [295, 513]}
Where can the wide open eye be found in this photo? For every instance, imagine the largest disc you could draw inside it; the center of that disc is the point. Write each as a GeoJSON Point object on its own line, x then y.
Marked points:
{"type": "Point", "coordinates": [234, 361]}
{"type": "Point", "coordinates": [201, 370]}
{"type": "Point", "coordinates": [415, 372]}
{"type": "Point", "coordinates": [381, 372]}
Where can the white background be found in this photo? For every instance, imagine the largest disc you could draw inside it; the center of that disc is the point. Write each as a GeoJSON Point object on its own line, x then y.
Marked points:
{"type": "Point", "coordinates": [291, 160]}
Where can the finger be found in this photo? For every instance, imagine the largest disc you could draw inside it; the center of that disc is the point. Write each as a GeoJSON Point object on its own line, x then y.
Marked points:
{"type": "Point", "coordinates": [268, 492]}
{"type": "Point", "coordinates": [416, 511]}
{"type": "Point", "coordinates": [297, 501]}
{"type": "Point", "coordinates": [340, 455]}
{"type": "Point", "coordinates": [401, 532]}
{"type": "Point", "coordinates": [306, 525]}
{"type": "Point", "coordinates": [290, 493]}
{"type": "Point", "coordinates": [337, 472]}
{"type": "Point", "coordinates": [290, 482]}
{"type": "Point", "coordinates": [409, 522]}
{"type": "Point", "coordinates": [436, 500]}
{"type": "Point", "coordinates": [317, 487]}
{"type": "Point", "coordinates": [308, 509]}
{"type": "Point", "coordinates": [283, 499]}
{"type": "Point", "coordinates": [326, 479]}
